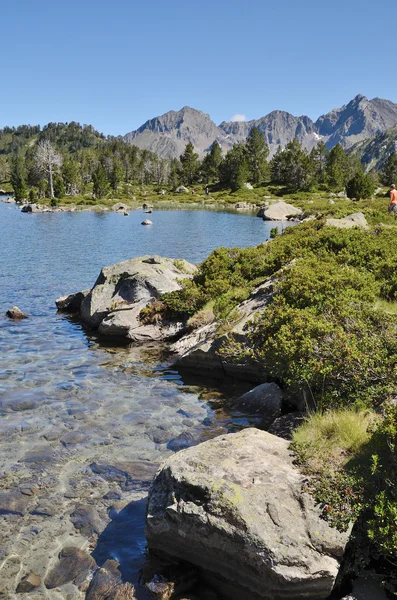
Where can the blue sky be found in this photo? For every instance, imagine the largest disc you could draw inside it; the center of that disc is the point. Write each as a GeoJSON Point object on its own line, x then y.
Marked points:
{"type": "Point", "coordinates": [117, 63]}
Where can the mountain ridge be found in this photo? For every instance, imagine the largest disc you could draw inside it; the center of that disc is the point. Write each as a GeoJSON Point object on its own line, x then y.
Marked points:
{"type": "Point", "coordinates": [351, 124]}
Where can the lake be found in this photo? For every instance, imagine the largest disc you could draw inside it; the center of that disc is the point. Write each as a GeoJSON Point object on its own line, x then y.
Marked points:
{"type": "Point", "coordinates": [84, 425]}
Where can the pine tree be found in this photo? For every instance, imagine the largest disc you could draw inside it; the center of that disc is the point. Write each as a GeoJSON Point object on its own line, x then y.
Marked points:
{"type": "Point", "coordinates": [319, 157]}
{"type": "Point", "coordinates": [18, 177]}
{"type": "Point", "coordinates": [234, 169]}
{"type": "Point", "coordinates": [340, 167]}
{"type": "Point", "coordinates": [190, 164]}
{"type": "Point", "coordinates": [257, 153]}
{"type": "Point", "coordinates": [211, 163]}
{"type": "Point", "coordinates": [116, 174]}
{"type": "Point", "coordinates": [276, 166]}
{"type": "Point", "coordinates": [100, 183]}
{"type": "Point", "coordinates": [293, 167]}
{"type": "Point", "coordinates": [71, 175]}
{"type": "Point", "coordinates": [388, 174]}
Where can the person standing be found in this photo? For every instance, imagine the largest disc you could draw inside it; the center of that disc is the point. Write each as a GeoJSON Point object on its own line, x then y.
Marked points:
{"type": "Point", "coordinates": [393, 200]}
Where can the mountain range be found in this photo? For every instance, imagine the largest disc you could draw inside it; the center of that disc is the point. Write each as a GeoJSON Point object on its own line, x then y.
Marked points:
{"type": "Point", "coordinates": [351, 125]}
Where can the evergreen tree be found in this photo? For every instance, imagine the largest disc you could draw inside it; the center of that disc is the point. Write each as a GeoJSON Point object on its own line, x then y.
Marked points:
{"type": "Point", "coordinates": [190, 164]}
{"type": "Point", "coordinates": [388, 174]}
{"type": "Point", "coordinates": [211, 163]}
{"type": "Point", "coordinates": [360, 186]}
{"type": "Point", "coordinates": [276, 166]}
{"type": "Point", "coordinates": [100, 183]}
{"type": "Point", "coordinates": [234, 169]}
{"type": "Point", "coordinates": [340, 167]}
{"type": "Point", "coordinates": [294, 167]}
{"type": "Point", "coordinates": [4, 168]}
{"type": "Point", "coordinates": [175, 168]}
{"type": "Point", "coordinates": [71, 175]}
{"type": "Point", "coordinates": [257, 153]}
{"type": "Point", "coordinates": [59, 188]}
{"type": "Point", "coordinates": [318, 156]}
{"type": "Point", "coordinates": [18, 177]}
{"type": "Point", "coordinates": [116, 174]}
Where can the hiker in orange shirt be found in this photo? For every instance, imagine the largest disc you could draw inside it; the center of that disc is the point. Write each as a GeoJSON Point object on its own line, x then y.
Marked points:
{"type": "Point", "coordinates": [393, 200]}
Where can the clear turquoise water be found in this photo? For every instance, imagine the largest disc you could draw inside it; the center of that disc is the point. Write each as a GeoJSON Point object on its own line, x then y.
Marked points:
{"type": "Point", "coordinates": [127, 405]}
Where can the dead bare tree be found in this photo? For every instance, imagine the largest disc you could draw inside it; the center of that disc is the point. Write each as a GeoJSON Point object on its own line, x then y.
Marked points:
{"type": "Point", "coordinates": [48, 161]}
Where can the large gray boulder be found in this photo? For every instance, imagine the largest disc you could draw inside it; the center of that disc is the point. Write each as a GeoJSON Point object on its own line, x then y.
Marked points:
{"type": "Point", "coordinates": [234, 507]}
{"type": "Point", "coordinates": [281, 211]}
{"type": "Point", "coordinates": [128, 284]}
{"type": "Point", "coordinates": [354, 220]}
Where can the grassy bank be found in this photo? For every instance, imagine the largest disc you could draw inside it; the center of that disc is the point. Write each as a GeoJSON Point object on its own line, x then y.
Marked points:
{"type": "Point", "coordinates": [350, 459]}
{"type": "Point", "coordinates": [317, 203]}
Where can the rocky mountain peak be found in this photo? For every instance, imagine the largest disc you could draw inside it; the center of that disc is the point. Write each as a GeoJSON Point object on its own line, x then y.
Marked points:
{"type": "Point", "coordinates": [354, 122]}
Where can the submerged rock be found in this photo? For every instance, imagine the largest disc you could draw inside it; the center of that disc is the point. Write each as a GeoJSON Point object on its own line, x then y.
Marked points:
{"type": "Point", "coordinates": [107, 584]}
{"type": "Point", "coordinates": [234, 507]}
{"type": "Point", "coordinates": [73, 565]}
{"type": "Point", "coordinates": [16, 313]}
{"type": "Point", "coordinates": [28, 583]}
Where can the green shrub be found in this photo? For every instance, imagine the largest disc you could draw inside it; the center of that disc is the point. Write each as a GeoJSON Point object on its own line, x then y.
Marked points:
{"type": "Point", "coordinates": [331, 358]}
{"type": "Point", "coordinates": [326, 284]}
{"type": "Point", "coordinates": [183, 303]}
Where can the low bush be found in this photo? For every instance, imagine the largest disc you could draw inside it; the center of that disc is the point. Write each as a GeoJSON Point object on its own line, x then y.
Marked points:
{"type": "Point", "coordinates": [332, 358]}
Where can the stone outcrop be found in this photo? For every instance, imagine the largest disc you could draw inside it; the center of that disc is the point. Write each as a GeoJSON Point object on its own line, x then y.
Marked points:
{"type": "Point", "coordinates": [281, 211]}
{"type": "Point", "coordinates": [353, 220]}
{"type": "Point", "coordinates": [200, 350]}
{"type": "Point", "coordinates": [72, 302]}
{"type": "Point", "coordinates": [235, 508]}
{"type": "Point", "coordinates": [122, 290]}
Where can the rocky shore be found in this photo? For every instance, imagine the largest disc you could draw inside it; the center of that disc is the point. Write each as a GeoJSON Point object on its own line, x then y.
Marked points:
{"type": "Point", "coordinates": [227, 518]}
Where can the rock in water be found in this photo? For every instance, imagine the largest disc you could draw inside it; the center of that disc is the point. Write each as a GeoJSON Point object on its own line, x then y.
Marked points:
{"type": "Point", "coordinates": [107, 584]}
{"type": "Point", "coordinates": [16, 313]}
{"type": "Point", "coordinates": [281, 211]}
{"type": "Point", "coordinates": [71, 303]}
{"type": "Point", "coordinates": [264, 400]}
{"type": "Point", "coordinates": [73, 565]}
{"type": "Point", "coordinates": [234, 507]}
{"type": "Point", "coordinates": [124, 285]}
{"type": "Point", "coordinates": [28, 583]}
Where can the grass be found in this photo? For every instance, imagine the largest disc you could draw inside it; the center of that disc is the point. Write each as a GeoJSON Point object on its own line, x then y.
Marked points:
{"type": "Point", "coordinates": [387, 307]}
{"type": "Point", "coordinates": [315, 202]}
{"type": "Point", "coordinates": [327, 441]}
